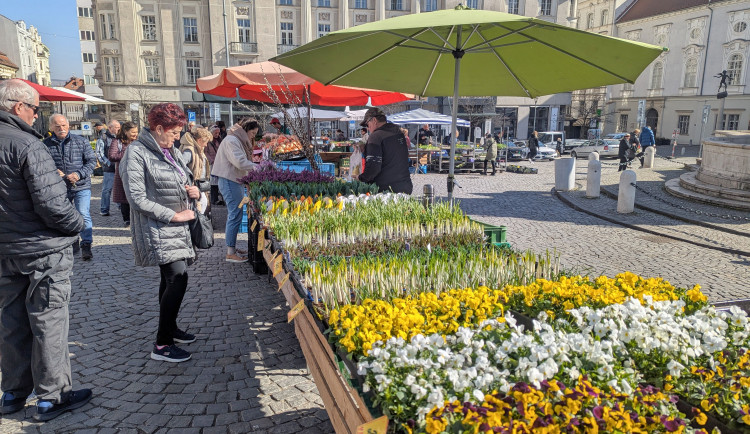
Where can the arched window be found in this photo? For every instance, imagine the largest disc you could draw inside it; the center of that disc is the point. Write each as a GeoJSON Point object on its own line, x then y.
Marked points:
{"type": "Point", "coordinates": [691, 72]}
{"type": "Point", "coordinates": [605, 17]}
{"type": "Point", "coordinates": [656, 75]}
{"type": "Point", "coordinates": [590, 21]}
{"type": "Point", "coordinates": [734, 69]}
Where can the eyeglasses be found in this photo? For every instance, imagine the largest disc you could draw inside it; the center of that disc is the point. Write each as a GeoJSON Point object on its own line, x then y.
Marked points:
{"type": "Point", "coordinates": [31, 106]}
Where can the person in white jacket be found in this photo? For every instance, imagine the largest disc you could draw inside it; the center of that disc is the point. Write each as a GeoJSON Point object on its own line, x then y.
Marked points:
{"type": "Point", "coordinates": [233, 161]}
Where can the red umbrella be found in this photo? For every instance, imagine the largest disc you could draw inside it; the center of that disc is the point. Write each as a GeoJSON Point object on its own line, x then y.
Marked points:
{"type": "Point", "coordinates": [49, 94]}
{"type": "Point", "coordinates": [291, 87]}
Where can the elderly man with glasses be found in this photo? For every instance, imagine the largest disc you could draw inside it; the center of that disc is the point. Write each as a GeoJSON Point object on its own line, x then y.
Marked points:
{"type": "Point", "coordinates": [386, 154]}
{"type": "Point", "coordinates": [37, 231]}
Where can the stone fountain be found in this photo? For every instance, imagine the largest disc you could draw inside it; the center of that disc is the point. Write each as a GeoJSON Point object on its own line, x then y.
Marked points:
{"type": "Point", "coordinates": [723, 177]}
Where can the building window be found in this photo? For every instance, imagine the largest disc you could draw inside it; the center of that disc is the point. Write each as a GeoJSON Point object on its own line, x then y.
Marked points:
{"type": "Point", "coordinates": [360, 4]}
{"type": "Point", "coordinates": [430, 5]}
{"type": "Point", "coordinates": [513, 7]}
{"type": "Point", "coordinates": [605, 17]}
{"type": "Point", "coordinates": [285, 2]}
{"type": "Point", "coordinates": [89, 79]}
{"type": "Point", "coordinates": [733, 122]}
{"type": "Point", "coordinates": [397, 5]}
{"type": "Point", "coordinates": [656, 75]}
{"type": "Point", "coordinates": [691, 72]}
{"type": "Point", "coordinates": [734, 69]}
{"type": "Point", "coordinates": [683, 123]}
{"type": "Point", "coordinates": [241, 62]}
{"type": "Point", "coordinates": [695, 33]}
{"type": "Point", "coordinates": [148, 24]}
{"type": "Point", "coordinates": [152, 70]}
{"type": "Point", "coordinates": [324, 3]}
{"type": "Point", "coordinates": [88, 58]}
{"type": "Point", "coordinates": [193, 70]}
{"type": "Point", "coordinates": [287, 30]}
{"type": "Point", "coordinates": [85, 12]}
{"type": "Point", "coordinates": [190, 26]}
{"type": "Point", "coordinates": [87, 35]}
{"type": "Point", "coordinates": [323, 29]}
{"type": "Point", "coordinates": [590, 21]}
{"type": "Point", "coordinates": [108, 29]}
{"type": "Point", "coordinates": [545, 7]}
{"type": "Point", "coordinates": [245, 32]}
{"type": "Point", "coordinates": [474, 4]}
{"type": "Point", "coordinates": [738, 27]}
{"type": "Point", "coordinates": [111, 69]}
{"type": "Point", "coordinates": [623, 124]}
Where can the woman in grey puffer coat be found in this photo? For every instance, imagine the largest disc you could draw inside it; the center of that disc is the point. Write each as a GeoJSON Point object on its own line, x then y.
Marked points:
{"type": "Point", "coordinates": [158, 186]}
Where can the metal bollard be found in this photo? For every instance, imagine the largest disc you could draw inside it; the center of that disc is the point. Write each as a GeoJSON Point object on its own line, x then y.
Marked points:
{"type": "Point", "coordinates": [565, 174]}
{"type": "Point", "coordinates": [593, 177]}
{"type": "Point", "coordinates": [648, 157]}
{"type": "Point", "coordinates": [626, 193]}
{"type": "Point", "coordinates": [428, 196]}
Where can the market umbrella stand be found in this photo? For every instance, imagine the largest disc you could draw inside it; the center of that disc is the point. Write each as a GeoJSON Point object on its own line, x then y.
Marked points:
{"type": "Point", "coordinates": [467, 52]}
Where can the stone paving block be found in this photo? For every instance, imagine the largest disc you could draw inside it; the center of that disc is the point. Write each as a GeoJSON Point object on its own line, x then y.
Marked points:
{"type": "Point", "coordinates": [261, 424]}
{"type": "Point", "coordinates": [195, 409]}
{"type": "Point", "coordinates": [219, 408]}
{"type": "Point", "coordinates": [203, 421]}
{"type": "Point", "coordinates": [159, 420]}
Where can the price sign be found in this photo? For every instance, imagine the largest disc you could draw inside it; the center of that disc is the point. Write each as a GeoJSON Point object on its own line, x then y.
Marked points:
{"type": "Point", "coordinates": [243, 202]}
{"type": "Point", "coordinates": [252, 226]}
{"type": "Point", "coordinates": [283, 281]}
{"type": "Point", "coordinates": [295, 311]}
{"type": "Point", "coordinates": [278, 266]}
{"type": "Point", "coordinates": [261, 239]}
{"type": "Point", "coordinates": [377, 426]}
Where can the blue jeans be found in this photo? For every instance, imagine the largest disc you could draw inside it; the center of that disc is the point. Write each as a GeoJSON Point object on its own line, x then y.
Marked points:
{"type": "Point", "coordinates": [107, 183]}
{"type": "Point", "coordinates": [233, 193]}
{"type": "Point", "coordinates": [82, 201]}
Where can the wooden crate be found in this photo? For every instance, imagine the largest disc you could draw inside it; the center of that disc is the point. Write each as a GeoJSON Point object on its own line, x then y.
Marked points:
{"type": "Point", "coordinates": [346, 409]}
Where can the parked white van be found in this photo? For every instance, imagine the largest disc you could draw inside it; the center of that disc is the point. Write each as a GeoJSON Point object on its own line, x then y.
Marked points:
{"type": "Point", "coordinates": [549, 138]}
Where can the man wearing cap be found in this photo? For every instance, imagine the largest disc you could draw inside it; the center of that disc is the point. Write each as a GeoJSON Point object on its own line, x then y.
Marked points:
{"type": "Point", "coordinates": [279, 128]}
{"type": "Point", "coordinates": [386, 154]}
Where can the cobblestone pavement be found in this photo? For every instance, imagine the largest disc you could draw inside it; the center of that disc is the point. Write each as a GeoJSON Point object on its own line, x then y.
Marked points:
{"type": "Point", "coordinates": [247, 373]}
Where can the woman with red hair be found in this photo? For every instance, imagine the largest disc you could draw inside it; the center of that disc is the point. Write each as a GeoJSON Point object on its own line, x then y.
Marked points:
{"type": "Point", "coordinates": [159, 188]}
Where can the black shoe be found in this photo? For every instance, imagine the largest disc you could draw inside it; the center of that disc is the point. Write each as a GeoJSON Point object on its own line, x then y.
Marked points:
{"type": "Point", "coordinates": [12, 405]}
{"type": "Point", "coordinates": [104, 214]}
{"type": "Point", "coordinates": [170, 353]}
{"type": "Point", "coordinates": [182, 337]}
{"type": "Point", "coordinates": [76, 399]}
{"type": "Point", "coordinates": [493, 173]}
{"type": "Point", "coordinates": [86, 254]}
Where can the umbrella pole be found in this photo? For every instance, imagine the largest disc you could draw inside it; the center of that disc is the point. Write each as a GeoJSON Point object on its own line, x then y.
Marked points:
{"type": "Point", "coordinates": [458, 53]}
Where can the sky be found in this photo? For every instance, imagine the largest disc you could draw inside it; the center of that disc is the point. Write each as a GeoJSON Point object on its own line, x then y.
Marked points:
{"type": "Point", "coordinates": [57, 22]}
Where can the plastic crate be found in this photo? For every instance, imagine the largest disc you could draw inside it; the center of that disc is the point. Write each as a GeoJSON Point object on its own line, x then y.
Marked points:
{"type": "Point", "coordinates": [495, 234]}
{"type": "Point", "coordinates": [243, 225]}
{"type": "Point", "coordinates": [301, 166]}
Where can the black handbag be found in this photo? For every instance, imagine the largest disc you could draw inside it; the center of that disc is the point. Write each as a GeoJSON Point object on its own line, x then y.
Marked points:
{"type": "Point", "coordinates": [201, 229]}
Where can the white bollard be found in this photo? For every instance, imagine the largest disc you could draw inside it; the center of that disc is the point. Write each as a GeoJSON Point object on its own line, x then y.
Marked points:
{"type": "Point", "coordinates": [593, 177]}
{"type": "Point", "coordinates": [626, 193]}
{"type": "Point", "coordinates": [565, 174]}
{"type": "Point", "coordinates": [594, 156]}
{"type": "Point", "coordinates": [648, 157]}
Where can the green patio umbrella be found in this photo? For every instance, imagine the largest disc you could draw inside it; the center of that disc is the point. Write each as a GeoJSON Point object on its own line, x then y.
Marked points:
{"type": "Point", "coordinates": [468, 52]}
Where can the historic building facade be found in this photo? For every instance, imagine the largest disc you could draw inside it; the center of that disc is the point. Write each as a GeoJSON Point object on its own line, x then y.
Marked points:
{"type": "Point", "coordinates": [25, 49]}
{"type": "Point", "coordinates": [676, 94]}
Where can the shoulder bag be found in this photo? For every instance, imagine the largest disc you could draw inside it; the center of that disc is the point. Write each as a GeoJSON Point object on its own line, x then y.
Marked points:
{"type": "Point", "coordinates": [201, 230]}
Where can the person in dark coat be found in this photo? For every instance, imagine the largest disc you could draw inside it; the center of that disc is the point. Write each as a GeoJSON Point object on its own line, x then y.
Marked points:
{"type": "Point", "coordinates": [75, 161]}
{"type": "Point", "coordinates": [128, 134]}
{"type": "Point", "coordinates": [647, 139]}
{"type": "Point", "coordinates": [37, 230]}
{"type": "Point", "coordinates": [533, 146]}
{"type": "Point", "coordinates": [624, 152]}
{"type": "Point", "coordinates": [491, 155]}
{"type": "Point", "coordinates": [386, 154]}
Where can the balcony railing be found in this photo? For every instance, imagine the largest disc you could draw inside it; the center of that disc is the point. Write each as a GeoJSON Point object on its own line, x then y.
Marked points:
{"type": "Point", "coordinates": [283, 48]}
{"type": "Point", "coordinates": [243, 47]}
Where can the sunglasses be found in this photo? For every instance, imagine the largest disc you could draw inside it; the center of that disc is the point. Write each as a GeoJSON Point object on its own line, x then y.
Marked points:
{"type": "Point", "coordinates": [31, 106]}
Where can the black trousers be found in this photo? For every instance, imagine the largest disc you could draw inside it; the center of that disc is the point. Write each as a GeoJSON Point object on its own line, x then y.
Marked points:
{"type": "Point", "coordinates": [174, 280]}
{"type": "Point", "coordinates": [214, 194]}
{"type": "Point", "coordinates": [623, 164]}
{"type": "Point", "coordinates": [125, 211]}
{"type": "Point", "coordinates": [493, 166]}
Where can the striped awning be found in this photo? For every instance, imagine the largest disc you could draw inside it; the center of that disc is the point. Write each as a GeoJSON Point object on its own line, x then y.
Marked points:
{"type": "Point", "coordinates": [422, 116]}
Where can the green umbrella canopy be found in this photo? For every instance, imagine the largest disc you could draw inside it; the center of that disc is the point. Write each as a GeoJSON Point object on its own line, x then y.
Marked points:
{"type": "Point", "coordinates": [501, 54]}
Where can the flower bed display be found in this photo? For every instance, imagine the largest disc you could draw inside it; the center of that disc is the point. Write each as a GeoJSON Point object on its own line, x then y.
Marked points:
{"type": "Point", "coordinates": [433, 329]}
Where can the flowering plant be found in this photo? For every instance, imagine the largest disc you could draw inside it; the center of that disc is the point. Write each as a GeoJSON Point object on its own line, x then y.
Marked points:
{"type": "Point", "coordinates": [273, 174]}
{"type": "Point", "coordinates": [555, 407]}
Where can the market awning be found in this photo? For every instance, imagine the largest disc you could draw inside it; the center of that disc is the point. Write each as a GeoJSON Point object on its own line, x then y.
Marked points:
{"type": "Point", "coordinates": [317, 114]}
{"type": "Point", "coordinates": [87, 99]}
{"type": "Point", "coordinates": [422, 116]}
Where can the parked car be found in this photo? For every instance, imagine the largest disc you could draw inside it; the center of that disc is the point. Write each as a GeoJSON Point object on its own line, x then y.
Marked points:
{"type": "Point", "coordinates": [605, 148]}
{"type": "Point", "coordinates": [543, 153]}
{"type": "Point", "coordinates": [514, 150]}
{"type": "Point", "coordinates": [617, 136]}
{"type": "Point", "coordinates": [571, 144]}
{"type": "Point", "coordinates": [549, 138]}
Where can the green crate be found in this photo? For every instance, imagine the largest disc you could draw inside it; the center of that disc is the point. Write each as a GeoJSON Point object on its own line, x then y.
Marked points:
{"type": "Point", "coordinates": [495, 234]}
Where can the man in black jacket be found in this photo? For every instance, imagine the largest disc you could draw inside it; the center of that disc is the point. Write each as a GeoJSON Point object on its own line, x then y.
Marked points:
{"type": "Point", "coordinates": [37, 228]}
{"type": "Point", "coordinates": [75, 161]}
{"type": "Point", "coordinates": [386, 154]}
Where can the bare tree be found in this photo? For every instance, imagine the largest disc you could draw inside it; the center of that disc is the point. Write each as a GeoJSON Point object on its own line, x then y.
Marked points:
{"type": "Point", "coordinates": [145, 98]}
